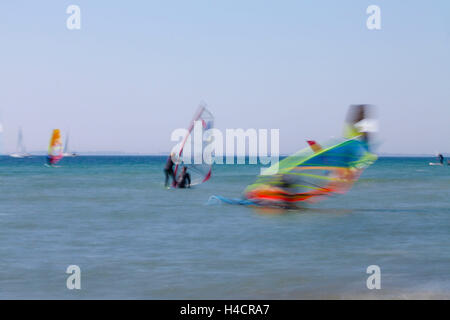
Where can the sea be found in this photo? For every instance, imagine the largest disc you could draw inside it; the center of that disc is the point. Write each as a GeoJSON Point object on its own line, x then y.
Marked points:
{"type": "Point", "coordinates": [130, 238]}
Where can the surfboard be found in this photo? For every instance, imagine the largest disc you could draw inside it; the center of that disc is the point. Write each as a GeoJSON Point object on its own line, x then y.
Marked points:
{"type": "Point", "coordinates": [436, 164]}
{"type": "Point", "coordinates": [51, 166]}
{"type": "Point", "coordinates": [241, 202]}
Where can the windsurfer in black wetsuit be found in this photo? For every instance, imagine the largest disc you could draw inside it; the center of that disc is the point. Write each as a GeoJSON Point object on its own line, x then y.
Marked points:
{"type": "Point", "coordinates": [185, 179]}
{"type": "Point", "coordinates": [441, 158]}
{"type": "Point", "coordinates": [168, 170]}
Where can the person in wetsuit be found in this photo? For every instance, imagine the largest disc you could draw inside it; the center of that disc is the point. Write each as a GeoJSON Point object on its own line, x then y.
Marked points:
{"type": "Point", "coordinates": [168, 170]}
{"type": "Point", "coordinates": [441, 158]}
{"type": "Point", "coordinates": [289, 190]}
{"type": "Point", "coordinates": [184, 181]}
{"type": "Point", "coordinates": [355, 115]}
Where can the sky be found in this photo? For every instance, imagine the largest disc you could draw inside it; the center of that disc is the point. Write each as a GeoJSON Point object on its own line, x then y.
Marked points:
{"type": "Point", "coordinates": [136, 70]}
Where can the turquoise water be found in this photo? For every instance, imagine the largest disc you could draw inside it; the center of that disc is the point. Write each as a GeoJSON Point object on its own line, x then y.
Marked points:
{"type": "Point", "coordinates": [132, 238]}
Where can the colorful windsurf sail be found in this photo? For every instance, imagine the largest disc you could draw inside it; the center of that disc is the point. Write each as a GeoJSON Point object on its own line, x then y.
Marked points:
{"type": "Point", "coordinates": [315, 172]}
{"type": "Point", "coordinates": [55, 149]}
{"type": "Point", "coordinates": [190, 153]}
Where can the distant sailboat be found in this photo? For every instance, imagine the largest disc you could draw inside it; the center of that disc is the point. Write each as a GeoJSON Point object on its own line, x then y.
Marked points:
{"type": "Point", "coordinates": [67, 152]}
{"type": "Point", "coordinates": [55, 153]}
{"type": "Point", "coordinates": [21, 151]}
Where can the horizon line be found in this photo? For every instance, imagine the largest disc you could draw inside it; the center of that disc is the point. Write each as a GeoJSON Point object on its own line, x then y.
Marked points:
{"type": "Point", "coordinates": [123, 153]}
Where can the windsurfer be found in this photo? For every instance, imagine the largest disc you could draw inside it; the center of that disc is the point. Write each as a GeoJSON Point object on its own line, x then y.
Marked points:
{"type": "Point", "coordinates": [55, 149]}
{"type": "Point", "coordinates": [185, 179]}
{"type": "Point", "coordinates": [441, 158]}
{"type": "Point", "coordinates": [288, 191]}
{"type": "Point", "coordinates": [168, 170]}
{"type": "Point", "coordinates": [359, 123]}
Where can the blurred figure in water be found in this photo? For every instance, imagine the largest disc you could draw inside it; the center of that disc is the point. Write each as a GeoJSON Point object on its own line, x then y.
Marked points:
{"type": "Point", "coordinates": [441, 158]}
{"type": "Point", "coordinates": [359, 123]}
{"type": "Point", "coordinates": [168, 170]}
{"type": "Point", "coordinates": [184, 181]}
{"type": "Point", "coordinates": [289, 191]}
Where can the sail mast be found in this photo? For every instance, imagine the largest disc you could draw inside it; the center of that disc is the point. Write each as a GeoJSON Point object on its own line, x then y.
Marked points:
{"type": "Point", "coordinates": [66, 145]}
{"type": "Point", "coordinates": [19, 141]}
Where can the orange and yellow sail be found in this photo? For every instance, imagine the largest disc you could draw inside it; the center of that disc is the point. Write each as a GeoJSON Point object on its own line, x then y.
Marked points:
{"type": "Point", "coordinates": [55, 149]}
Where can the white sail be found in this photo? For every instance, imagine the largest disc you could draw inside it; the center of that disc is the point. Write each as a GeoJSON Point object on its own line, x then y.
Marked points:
{"type": "Point", "coordinates": [199, 172]}
{"type": "Point", "coordinates": [67, 152]}
{"type": "Point", "coordinates": [21, 151]}
{"type": "Point", "coordinates": [66, 145]}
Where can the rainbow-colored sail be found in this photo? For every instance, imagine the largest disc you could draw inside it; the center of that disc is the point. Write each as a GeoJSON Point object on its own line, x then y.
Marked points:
{"type": "Point", "coordinates": [316, 172]}
{"type": "Point", "coordinates": [55, 149]}
{"type": "Point", "coordinates": [310, 176]}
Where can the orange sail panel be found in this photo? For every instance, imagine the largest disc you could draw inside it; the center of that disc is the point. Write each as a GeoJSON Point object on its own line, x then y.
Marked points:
{"type": "Point", "coordinates": [314, 146]}
{"type": "Point", "coordinates": [55, 149]}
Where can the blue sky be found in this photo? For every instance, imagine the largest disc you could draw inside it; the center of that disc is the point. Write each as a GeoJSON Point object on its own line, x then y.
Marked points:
{"type": "Point", "coordinates": [138, 69]}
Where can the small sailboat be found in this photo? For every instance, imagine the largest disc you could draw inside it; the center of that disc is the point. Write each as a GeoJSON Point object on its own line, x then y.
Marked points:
{"type": "Point", "coordinates": [21, 151]}
{"type": "Point", "coordinates": [55, 149]}
{"type": "Point", "coordinates": [67, 152]}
